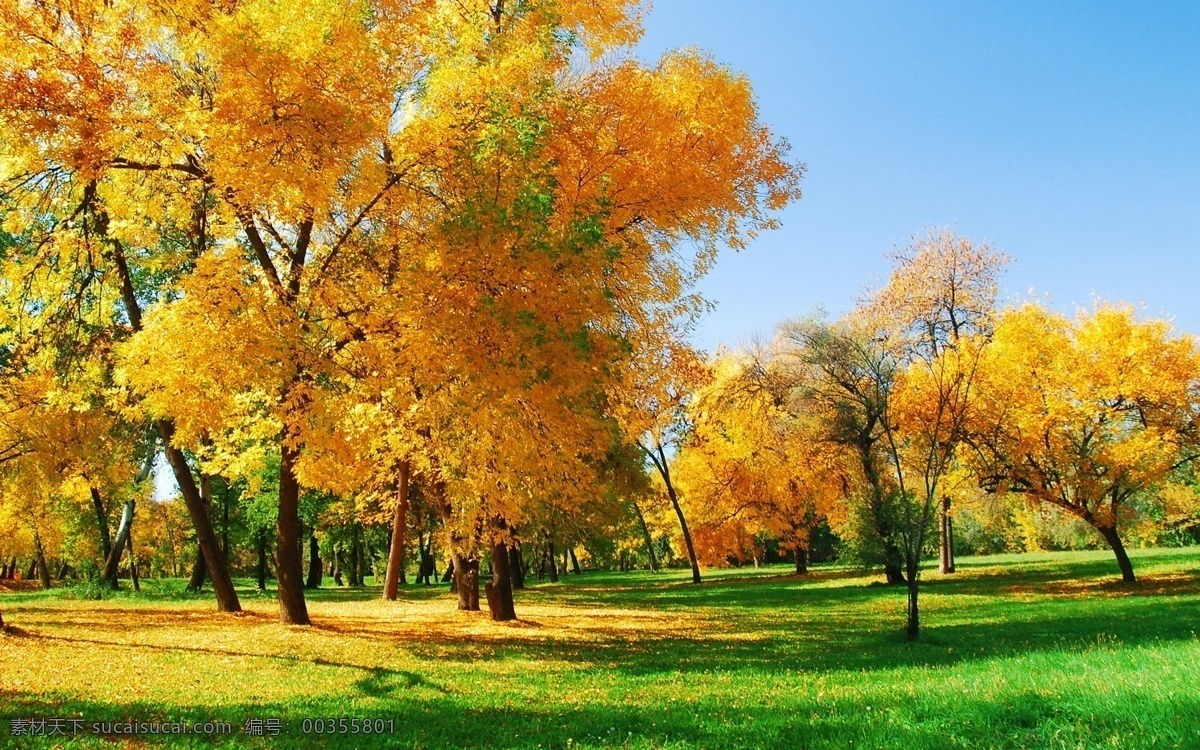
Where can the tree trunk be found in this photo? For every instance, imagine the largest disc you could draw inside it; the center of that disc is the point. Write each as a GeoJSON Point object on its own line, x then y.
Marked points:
{"type": "Point", "coordinates": [262, 560]}
{"type": "Point", "coordinates": [892, 566]}
{"type": "Point", "coordinates": [947, 540]}
{"type": "Point", "coordinates": [337, 566]}
{"type": "Point", "coordinates": [800, 553]}
{"type": "Point", "coordinates": [653, 561]}
{"type": "Point", "coordinates": [355, 552]}
{"type": "Point", "coordinates": [391, 582]}
{"type": "Point", "coordinates": [288, 569]}
{"type": "Point", "coordinates": [466, 581]}
{"type": "Point", "coordinates": [1114, 541]}
{"type": "Point", "coordinates": [198, 571]}
{"type": "Point", "coordinates": [665, 471]}
{"type": "Point", "coordinates": [40, 551]}
{"type": "Point", "coordinates": [227, 598]}
{"type": "Point", "coordinates": [553, 563]}
{"type": "Point", "coordinates": [133, 562]}
{"type": "Point", "coordinates": [499, 589]}
{"type": "Point", "coordinates": [314, 563]}
{"type": "Point", "coordinates": [575, 562]}
{"type": "Point", "coordinates": [516, 567]}
{"type": "Point", "coordinates": [225, 521]}
{"type": "Point", "coordinates": [914, 616]}
{"type": "Point", "coordinates": [114, 557]}
{"type": "Point", "coordinates": [102, 521]}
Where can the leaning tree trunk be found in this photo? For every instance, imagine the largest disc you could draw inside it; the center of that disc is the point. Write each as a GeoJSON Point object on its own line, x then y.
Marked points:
{"type": "Point", "coordinates": [395, 568]}
{"type": "Point", "coordinates": [575, 562]}
{"type": "Point", "coordinates": [288, 568]}
{"type": "Point", "coordinates": [947, 538]}
{"type": "Point", "coordinates": [665, 471]}
{"type": "Point", "coordinates": [218, 573]}
{"type": "Point", "coordinates": [114, 556]}
{"type": "Point", "coordinates": [1114, 541]}
{"type": "Point", "coordinates": [646, 537]}
{"type": "Point", "coordinates": [499, 589]}
{"type": "Point", "coordinates": [102, 521]}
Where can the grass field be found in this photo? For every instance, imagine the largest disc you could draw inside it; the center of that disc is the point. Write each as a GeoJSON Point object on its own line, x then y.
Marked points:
{"type": "Point", "coordinates": [1029, 651]}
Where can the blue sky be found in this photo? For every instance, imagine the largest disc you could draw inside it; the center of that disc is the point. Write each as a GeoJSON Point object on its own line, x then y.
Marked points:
{"type": "Point", "coordinates": [1068, 134]}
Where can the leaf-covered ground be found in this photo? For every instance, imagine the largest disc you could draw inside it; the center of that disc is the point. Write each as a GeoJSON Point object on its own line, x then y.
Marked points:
{"type": "Point", "coordinates": [1030, 651]}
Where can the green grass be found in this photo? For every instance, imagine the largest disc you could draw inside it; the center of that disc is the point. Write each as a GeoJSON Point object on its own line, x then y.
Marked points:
{"type": "Point", "coordinates": [1017, 651]}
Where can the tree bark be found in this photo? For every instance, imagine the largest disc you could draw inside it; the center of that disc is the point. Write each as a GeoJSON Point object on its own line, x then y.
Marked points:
{"type": "Point", "coordinates": [218, 573]}
{"type": "Point", "coordinates": [391, 582]}
{"type": "Point", "coordinates": [800, 553]}
{"type": "Point", "coordinates": [40, 551]}
{"type": "Point", "coordinates": [102, 521]}
{"type": "Point", "coordinates": [118, 548]}
{"type": "Point", "coordinates": [665, 471]}
{"type": "Point", "coordinates": [1118, 547]}
{"type": "Point", "coordinates": [914, 616]}
{"type": "Point", "coordinates": [516, 567]}
{"type": "Point", "coordinates": [553, 562]}
{"type": "Point", "coordinates": [314, 563]}
{"type": "Point", "coordinates": [199, 569]}
{"type": "Point", "coordinates": [653, 560]}
{"type": "Point", "coordinates": [575, 562]}
{"type": "Point", "coordinates": [947, 538]}
{"type": "Point", "coordinates": [466, 581]}
{"type": "Point", "coordinates": [499, 589]}
{"type": "Point", "coordinates": [288, 569]}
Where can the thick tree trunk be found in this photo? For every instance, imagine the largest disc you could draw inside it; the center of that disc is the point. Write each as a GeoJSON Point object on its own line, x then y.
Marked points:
{"type": "Point", "coordinates": [499, 589]}
{"type": "Point", "coordinates": [262, 560]}
{"type": "Point", "coordinates": [118, 548]}
{"type": "Point", "coordinates": [218, 573]}
{"type": "Point", "coordinates": [314, 563]}
{"type": "Point", "coordinates": [391, 582]}
{"type": "Point", "coordinates": [40, 551]}
{"type": "Point", "coordinates": [1114, 541]}
{"type": "Point", "coordinates": [653, 560]}
{"type": "Point", "coordinates": [800, 554]}
{"type": "Point", "coordinates": [288, 569]}
{"type": "Point", "coordinates": [466, 581]}
{"type": "Point", "coordinates": [516, 567]}
{"type": "Point", "coordinates": [947, 538]}
{"type": "Point", "coordinates": [102, 521]}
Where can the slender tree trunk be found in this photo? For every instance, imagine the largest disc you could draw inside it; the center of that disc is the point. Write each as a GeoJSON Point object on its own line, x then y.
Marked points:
{"type": "Point", "coordinates": [288, 569]}
{"type": "Point", "coordinates": [391, 582]}
{"type": "Point", "coordinates": [499, 589]}
{"type": "Point", "coordinates": [800, 553]}
{"type": "Point", "coordinates": [337, 566]}
{"type": "Point", "coordinates": [355, 552]}
{"type": "Point", "coordinates": [133, 562]}
{"type": "Point", "coordinates": [947, 539]}
{"type": "Point", "coordinates": [665, 471]}
{"type": "Point", "coordinates": [1114, 541]}
{"type": "Point", "coordinates": [225, 521]}
{"type": "Point", "coordinates": [914, 616]}
{"type": "Point", "coordinates": [575, 562]}
{"type": "Point", "coordinates": [516, 567]}
{"type": "Point", "coordinates": [102, 521]}
{"type": "Point", "coordinates": [40, 551]}
{"type": "Point", "coordinates": [553, 562]}
{"type": "Point", "coordinates": [118, 548]}
{"type": "Point", "coordinates": [314, 563]}
{"type": "Point", "coordinates": [262, 560]}
{"type": "Point", "coordinates": [653, 560]}
{"type": "Point", "coordinates": [218, 573]}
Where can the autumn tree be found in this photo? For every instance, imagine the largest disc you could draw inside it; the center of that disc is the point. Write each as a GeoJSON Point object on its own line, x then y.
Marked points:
{"type": "Point", "coordinates": [1085, 415]}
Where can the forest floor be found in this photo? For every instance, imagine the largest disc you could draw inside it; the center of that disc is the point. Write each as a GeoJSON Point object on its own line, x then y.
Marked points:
{"type": "Point", "coordinates": [1017, 651]}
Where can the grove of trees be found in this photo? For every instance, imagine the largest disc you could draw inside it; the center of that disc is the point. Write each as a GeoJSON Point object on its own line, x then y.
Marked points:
{"type": "Point", "coordinates": [406, 286]}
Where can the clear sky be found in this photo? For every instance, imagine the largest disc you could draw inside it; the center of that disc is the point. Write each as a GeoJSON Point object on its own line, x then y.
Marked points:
{"type": "Point", "coordinates": [1068, 134]}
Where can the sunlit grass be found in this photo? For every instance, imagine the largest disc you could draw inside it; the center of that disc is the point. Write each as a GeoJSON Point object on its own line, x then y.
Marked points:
{"type": "Point", "coordinates": [1019, 651]}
